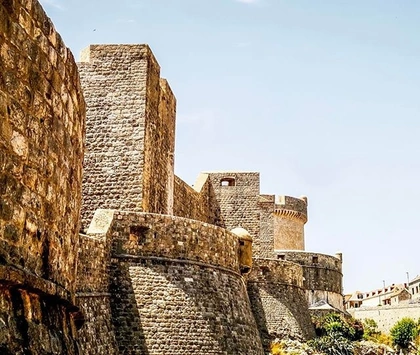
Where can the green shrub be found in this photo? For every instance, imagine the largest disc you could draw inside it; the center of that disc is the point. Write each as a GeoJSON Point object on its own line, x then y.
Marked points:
{"type": "Point", "coordinates": [332, 344]}
{"type": "Point", "coordinates": [403, 332]}
{"type": "Point", "coordinates": [350, 329]}
{"type": "Point", "coordinates": [370, 329]}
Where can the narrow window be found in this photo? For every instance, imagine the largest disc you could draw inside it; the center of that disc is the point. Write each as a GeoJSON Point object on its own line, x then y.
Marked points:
{"type": "Point", "coordinates": [281, 257]}
{"type": "Point", "coordinates": [227, 182]}
{"type": "Point", "coordinates": [315, 260]}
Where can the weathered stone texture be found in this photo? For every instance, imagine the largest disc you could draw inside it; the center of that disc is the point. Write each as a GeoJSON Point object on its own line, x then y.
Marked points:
{"type": "Point", "coordinates": [41, 145]}
{"type": "Point", "coordinates": [153, 235]}
{"type": "Point", "coordinates": [174, 287]}
{"type": "Point", "coordinates": [322, 276]}
{"type": "Point", "coordinates": [97, 335]}
{"type": "Point", "coordinates": [263, 246]}
{"type": "Point", "coordinates": [289, 222]}
{"type": "Point", "coordinates": [159, 146]}
{"type": "Point", "coordinates": [278, 300]}
{"type": "Point", "coordinates": [172, 307]}
{"type": "Point", "coordinates": [197, 203]}
{"type": "Point", "coordinates": [42, 115]}
{"type": "Point", "coordinates": [32, 323]}
{"type": "Point", "coordinates": [130, 131]}
{"type": "Point", "coordinates": [237, 200]}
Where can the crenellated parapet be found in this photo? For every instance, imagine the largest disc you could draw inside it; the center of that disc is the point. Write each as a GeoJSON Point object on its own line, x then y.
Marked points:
{"type": "Point", "coordinates": [292, 208]}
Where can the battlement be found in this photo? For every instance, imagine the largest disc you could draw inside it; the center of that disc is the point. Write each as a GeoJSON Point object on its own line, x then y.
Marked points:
{"type": "Point", "coordinates": [292, 207]}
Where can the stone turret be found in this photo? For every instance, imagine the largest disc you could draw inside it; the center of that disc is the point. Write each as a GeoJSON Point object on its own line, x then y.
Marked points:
{"type": "Point", "coordinates": [290, 216]}
{"type": "Point", "coordinates": [245, 249]}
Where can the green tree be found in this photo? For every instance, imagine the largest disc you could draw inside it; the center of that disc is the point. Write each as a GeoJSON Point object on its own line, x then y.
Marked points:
{"type": "Point", "coordinates": [404, 332]}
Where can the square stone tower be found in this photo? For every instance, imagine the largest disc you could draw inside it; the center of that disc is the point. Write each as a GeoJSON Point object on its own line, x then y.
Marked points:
{"type": "Point", "coordinates": [130, 131]}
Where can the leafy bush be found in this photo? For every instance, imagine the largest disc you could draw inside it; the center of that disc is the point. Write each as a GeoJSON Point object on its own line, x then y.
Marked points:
{"type": "Point", "coordinates": [404, 332]}
{"type": "Point", "coordinates": [332, 344]}
{"type": "Point", "coordinates": [371, 329]}
{"type": "Point", "coordinates": [350, 329]}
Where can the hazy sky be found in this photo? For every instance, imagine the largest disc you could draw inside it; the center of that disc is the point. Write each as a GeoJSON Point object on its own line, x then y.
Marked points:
{"type": "Point", "coordinates": [321, 97]}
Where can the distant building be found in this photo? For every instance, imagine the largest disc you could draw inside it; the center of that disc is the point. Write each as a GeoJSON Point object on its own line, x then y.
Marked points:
{"type": "Point", "coordinates": [390, 295]}
{"type": "Point", "coordinates": [414, 287]}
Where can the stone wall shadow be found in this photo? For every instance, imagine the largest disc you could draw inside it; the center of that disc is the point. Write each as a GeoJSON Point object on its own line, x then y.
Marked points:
{"type": "Point", "coordinates": [184, 308]}
{"type": "Point", "coordinates": [281, 311]}
{"type": "Point", "coordinates": [125, 315]}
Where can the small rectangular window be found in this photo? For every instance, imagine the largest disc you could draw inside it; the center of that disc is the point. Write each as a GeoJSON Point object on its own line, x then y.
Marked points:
{"type": "Point", "coordinates": [315, 260]}
{"type": "Point", "coordinates": [281, 257]}
{"type": "Point", "coordinates": [227, 182]}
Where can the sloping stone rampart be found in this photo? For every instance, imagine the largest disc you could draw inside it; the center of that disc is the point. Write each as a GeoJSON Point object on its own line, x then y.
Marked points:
{"type": "Point", "coordinates": [175, 286]}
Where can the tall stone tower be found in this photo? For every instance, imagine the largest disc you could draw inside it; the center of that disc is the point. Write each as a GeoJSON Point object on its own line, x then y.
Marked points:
{"type": "Point", "coordinates": [290, 216]}
{"type": "Point", "coordinates": [130, 131]}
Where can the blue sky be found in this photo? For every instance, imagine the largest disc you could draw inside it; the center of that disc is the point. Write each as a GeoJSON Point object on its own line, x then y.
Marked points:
{"type": "Point", "coordinates": [320, 97]}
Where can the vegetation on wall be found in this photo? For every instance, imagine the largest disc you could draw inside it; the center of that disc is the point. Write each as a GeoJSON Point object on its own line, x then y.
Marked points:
{"type": "Point", "coordinates": [338, 335]}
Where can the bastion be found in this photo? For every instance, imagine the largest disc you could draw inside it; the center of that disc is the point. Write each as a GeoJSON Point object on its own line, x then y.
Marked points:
{"type": "Point", "coordinates": [124, 257]}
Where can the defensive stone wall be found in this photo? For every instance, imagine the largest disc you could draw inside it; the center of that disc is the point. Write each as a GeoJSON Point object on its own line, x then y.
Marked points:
{"type": "Point", "coordinates": [322, 276]}
{"type": "Point", "coordinates": [290, 216]}
{"type": "Point", "coordinates": [387, 316]}
{"type": "Point", "coordinates": [278, 300]}
{"type": "Point", "coordinates": [42, 115]}
{"type": "Point", "coordinates": [175, 286]}
{"type": "Point", "coordinates": [195, 203]}
{"type": "Point", "coordinates": [237, 195]}
{"type": "Point", "coordinates": [130, 131]}
{"type": "Point", "coordinates": [97, 335]}
{"type": "Point", "coordinates": [263, 246]}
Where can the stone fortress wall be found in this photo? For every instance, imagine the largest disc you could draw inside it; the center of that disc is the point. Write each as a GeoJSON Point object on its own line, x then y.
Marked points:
{"type": "Point", "coordinates": [42, 121]}
{"type": "Point", "coordinates": [278, 297]}
{"type": "Point", "coordinates": [157, 269]}
{"type": "Point", "coordinates": [166, 270]}
{"type": "Point", "coordinates": [322, 276]}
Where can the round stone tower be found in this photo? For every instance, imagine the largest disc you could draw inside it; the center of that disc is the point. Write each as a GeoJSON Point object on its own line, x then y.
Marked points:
{"type": "Point", "coordinates": [290, 216]}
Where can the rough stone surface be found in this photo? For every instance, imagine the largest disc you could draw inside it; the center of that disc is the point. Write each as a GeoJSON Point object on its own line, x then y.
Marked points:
{"type": "Point", "coordinates": [322, 276]}
{"type": "Point", "coordinates": [175, 287]}
{"type": "Point", "coordinates": [275, 288]}
{"type": "Point", "coordinates": [157, 270]}
{"type": "Point", "coordinates": [290, 216]}
{"type": "Point", "coordinates": [32, 323]}
{"type": "Point", "coordinates": [130, 131]}
{"type": "Point", "coordinates": [42, 117]}
{"type": "Point", "coordinates": [41, 145]}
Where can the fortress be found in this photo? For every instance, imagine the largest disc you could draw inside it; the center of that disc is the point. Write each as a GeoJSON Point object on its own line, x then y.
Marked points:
{"type": "Point", "coordinates": [103, 250]}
